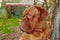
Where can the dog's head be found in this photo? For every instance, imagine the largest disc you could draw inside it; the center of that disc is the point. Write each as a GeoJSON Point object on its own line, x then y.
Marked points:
{"type": "Point", "coordinates": [31, 17]}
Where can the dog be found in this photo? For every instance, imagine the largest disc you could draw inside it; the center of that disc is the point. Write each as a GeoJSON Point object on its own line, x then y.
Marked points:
{"type": "Point", "coordinates": [34, 25]}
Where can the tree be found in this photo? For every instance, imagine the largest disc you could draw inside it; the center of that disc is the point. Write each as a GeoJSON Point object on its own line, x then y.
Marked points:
{"type": "Point", "coordinates": [3, 3]}
{"type": "Point", "coordinates": [3, 12]}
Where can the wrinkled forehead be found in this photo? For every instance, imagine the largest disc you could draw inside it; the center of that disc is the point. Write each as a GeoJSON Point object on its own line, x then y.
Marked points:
{"type": "Point", "coordinates": [36, 10]}
{"type": "Point", "coordinates": [32, 11]}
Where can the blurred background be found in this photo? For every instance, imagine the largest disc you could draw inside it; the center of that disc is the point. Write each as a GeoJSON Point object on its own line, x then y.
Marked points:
{"type": "Point", "coordinates": [11, 13]}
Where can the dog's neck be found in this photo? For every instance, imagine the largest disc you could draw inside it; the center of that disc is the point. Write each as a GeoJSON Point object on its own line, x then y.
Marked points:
{"type": "Point", "coordinates": [39, 29]}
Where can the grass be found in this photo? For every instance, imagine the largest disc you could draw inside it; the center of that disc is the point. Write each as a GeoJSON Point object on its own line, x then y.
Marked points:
{"type": "Point", "coordinates": [8, 25]}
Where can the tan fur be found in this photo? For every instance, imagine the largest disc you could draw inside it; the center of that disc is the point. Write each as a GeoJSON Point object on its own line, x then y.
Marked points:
{"type": "Point", "coordinates": [37, 36]}
{"type": "Point", "coordinates": [36, 24]}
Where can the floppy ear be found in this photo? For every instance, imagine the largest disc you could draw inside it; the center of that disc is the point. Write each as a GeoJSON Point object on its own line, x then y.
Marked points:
{"type": "Point", "coordinates": [43, 12]}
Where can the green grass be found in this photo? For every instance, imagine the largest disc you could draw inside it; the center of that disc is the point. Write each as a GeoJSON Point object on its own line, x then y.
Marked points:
{"type": "Point", "coordinates": [8, 25]}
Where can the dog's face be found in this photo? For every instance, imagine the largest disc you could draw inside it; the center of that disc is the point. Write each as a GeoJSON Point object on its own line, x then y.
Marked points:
{"type": "Point", "coordinates": [31, 17]}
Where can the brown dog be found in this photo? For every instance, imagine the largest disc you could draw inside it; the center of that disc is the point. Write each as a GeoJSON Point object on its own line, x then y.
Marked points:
{"type": "Point", "coordinates": [34, 25]}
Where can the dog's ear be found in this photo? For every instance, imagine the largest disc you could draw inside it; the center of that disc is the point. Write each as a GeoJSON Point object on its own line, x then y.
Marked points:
{"type": "Point", "coordinates": [43, 12]}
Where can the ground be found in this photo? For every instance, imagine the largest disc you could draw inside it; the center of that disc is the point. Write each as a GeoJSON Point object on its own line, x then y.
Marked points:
{"type": "Point", "coordinates": [9, 29]}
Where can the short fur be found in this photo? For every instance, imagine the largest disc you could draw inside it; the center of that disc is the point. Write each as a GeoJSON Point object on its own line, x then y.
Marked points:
{"type": "Point", "coordinates": [34, 25]}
